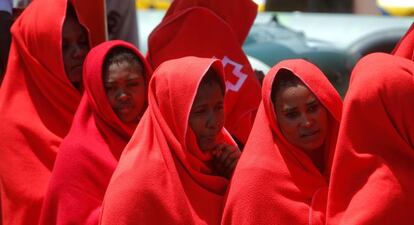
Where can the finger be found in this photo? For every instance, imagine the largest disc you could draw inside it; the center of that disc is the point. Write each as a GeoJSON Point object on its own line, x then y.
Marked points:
{"type": "Point", "coordinates": [218, 166]}
{"type": "Point", "coordinates": [216, 153]}
{"type": "Point", "coordinates": [233, 156]}
{"type": "Point", "coordinates": [224, 155]}
{"type": "Point", "coordinates": [218, 150]}
{"type": "Point", "coordinates": [220, 146]}
{"type": "Point", "coordinates": [229, 171]}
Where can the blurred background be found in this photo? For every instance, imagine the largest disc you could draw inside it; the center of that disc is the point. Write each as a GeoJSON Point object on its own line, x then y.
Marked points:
{"type": "Point", "coordinates": [394, 7]}
{"type": "Point", "coordinates": [333, 34]}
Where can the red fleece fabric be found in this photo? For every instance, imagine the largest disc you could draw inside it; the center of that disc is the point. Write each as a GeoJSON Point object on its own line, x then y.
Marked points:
{"type": "Point", "coordinates": [90, 152]}
{"type": "Point", "coordinates": [405, 47]}
{"type": "Point", "coordinates": [274, 181]}
{"type": "Point", "coordinates": [92, 13]}
{"type": "Point", "coordinates": [372, 174]}
{"type": "Point", "coordinates": [239, 14]}
{"type": "Point", "coordinates": [163, 177]}
{"type": "Point", "coordinates": [37, 105]}
{"type": "Point", "coordinates": [194, 32]}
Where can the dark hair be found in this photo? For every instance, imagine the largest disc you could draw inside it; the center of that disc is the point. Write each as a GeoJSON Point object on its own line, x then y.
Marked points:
{"type": "Point", "coordinates": [285, 78]}
{"type": "Point", "coordinates": [211, 77]}
{"type": "Point", "coordinates": [119, 55]}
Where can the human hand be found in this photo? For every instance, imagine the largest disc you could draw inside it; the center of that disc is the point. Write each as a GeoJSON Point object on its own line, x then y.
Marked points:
{"type": "Point", "coordinates": [225, 158]}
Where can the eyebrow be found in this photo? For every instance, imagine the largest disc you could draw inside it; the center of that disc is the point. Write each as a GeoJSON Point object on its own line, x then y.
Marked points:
{"type": "Point", "coordinates": [131, 79]}
{"type": "Point", "coordinates": [205, 104]}
{"type": "Point", "coordinates": [83, 36]}
{"type": "Point", "coordinates": [289, 109]}
{"type": "Point", "coordinates": [313, 102]}
{"type": "Point", "coordinates": [197, 107]}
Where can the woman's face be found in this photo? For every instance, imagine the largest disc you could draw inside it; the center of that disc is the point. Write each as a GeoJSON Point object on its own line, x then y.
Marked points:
{"type": "Point", "coordinates": [207, 115]}
{"type": "Point", "coordinates": [126, 90]}
{"type": "Point", "coordinates": [75, 46]}
{"type": "Point", "coordinates": [301, 117]}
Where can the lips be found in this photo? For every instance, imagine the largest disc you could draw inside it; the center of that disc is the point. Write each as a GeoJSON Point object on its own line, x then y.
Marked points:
{"type": "Point", "coordinates": [212, 138]}
{"type": "Point", "coordinates": [208, 142]}
{"type": "Point", "coordinates": [77, 67]}
{"type": "Point", "coordinates": [309, 134]}
{"type": "Point", "coordinates": [125, 108]}
{"type": "Point", "coordinates": [76, 73]}
{"type": "Point", "coordinates": [209, 138]}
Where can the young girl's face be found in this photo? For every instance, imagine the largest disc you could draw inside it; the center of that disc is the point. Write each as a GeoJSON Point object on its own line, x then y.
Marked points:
{"type": "Point", "coordinates": [207, 115]}
{"type": "Point", "coordinates": [301, 117]}
{"type": "Point", "coordinates": [126, 90]}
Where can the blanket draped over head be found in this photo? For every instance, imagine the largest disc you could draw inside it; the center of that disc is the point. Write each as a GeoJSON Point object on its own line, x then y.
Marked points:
{"type": "Point", "coordinates": [37, 105]}
{"type": "Point", "coordinates": [163, 177]}
{"type": "Point", "coordinates": [274, 181]}
{"type": "Point", "coordinates": [373, 170]}
{"type": "Point", "coordinates": [90, 152]}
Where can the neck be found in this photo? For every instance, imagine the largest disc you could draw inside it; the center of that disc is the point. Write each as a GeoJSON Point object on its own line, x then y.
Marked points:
{"type": "Point", "coordinates": [318, 158]}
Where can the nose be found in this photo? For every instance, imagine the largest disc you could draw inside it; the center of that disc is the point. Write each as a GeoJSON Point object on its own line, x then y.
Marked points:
{"type": "Point", "coordinates": [212, 121]}
{"type": "Point", "coordinates": [122, 95]}
{"type": "Point", "coordinates": [78, 52]}
{"type": "Point", "coordinates": [307, 121]}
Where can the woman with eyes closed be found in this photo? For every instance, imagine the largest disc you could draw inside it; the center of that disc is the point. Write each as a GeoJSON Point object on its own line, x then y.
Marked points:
{"type": "Point", "coordinates": [176, 168]}
{"type": "Point", "coordinates": [116, 77]}
{"type": "Point", "coordinates": [283, 174]}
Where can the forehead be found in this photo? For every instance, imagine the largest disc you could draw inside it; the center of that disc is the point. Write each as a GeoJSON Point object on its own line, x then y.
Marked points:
{"type": "Point", "coordinates": [72, 26]}
{"type": "Point", "coordinates": [126, 65]}
{"type": "Point", "coordinates": [294, 96]}
{"type": "Point", "coordinates": [209, 92]}
{"type": "Point", "coordinates": [124, 69]}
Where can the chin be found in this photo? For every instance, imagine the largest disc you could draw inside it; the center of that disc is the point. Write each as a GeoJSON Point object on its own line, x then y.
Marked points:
{"type": "Point", "coordinates": [75, 75]}
{"type": "Point", "coordinates": [207, 148]}
{"type": "Point", "coordinates": [130, 121]}
{"type": "Point", "coordinates": [313, 146]}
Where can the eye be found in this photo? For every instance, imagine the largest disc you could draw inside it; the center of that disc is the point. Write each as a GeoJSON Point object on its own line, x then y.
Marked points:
{"type": "Point", "coordinates": [65, 45]}
{"type": "Point", "coordinates": [109, 88]}
{"type": "Point", "coordinates": [219, 107]}
{"type": "Point", "coordinates": [199, 111]}
{"type": "Point", "coordinates": [84, 44]}
{"type": "Point", "coordinates": [292, 115]}
{"type": "Point", "coordinates": [133, 84]}
{"type": "Point", "coordinates": [83, 40]}
{"type": "Point", "coordinates": [313, 108]}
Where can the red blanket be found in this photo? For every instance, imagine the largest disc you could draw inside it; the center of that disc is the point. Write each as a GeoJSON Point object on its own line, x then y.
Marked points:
{"type": "Point", "coordinates": [274, 181]}
{"type": "Point", "coordinates": [200, 32]}
{"type": "Point", "coordinates": [373, 170]}
{"type": "Point", "coordinates": [90, 152]}
{"type": "Point", "coordinates": [238, 14]}
{"type": "Point", "coordinates": [405, 47]}
{"type": "Point", "coordinates": [37, 105]}
{"type": "Point", "coordinates": [163, 177]}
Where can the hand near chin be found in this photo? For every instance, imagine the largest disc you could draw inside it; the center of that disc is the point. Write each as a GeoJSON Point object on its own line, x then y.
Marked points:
{"type": "Point", "coordinates": [225, 158]}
